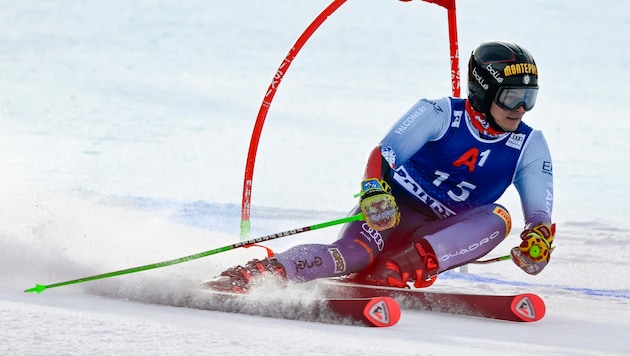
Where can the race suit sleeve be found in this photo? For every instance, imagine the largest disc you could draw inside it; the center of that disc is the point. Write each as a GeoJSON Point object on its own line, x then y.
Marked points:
{"type": "Point", "coordinates": [534, 180]}
{"type": "Point", "coordinates": [425, 121]}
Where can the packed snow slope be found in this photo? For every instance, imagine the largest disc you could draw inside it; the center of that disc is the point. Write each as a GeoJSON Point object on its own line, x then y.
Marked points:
{"type": "Point", "coordinates": [125, 129]}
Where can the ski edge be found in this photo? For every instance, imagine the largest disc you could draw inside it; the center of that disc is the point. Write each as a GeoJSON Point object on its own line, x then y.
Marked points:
{"type": "Point", "coordinates": [522, 307]}
{"type": "Point", "coordinates": [377, 311]}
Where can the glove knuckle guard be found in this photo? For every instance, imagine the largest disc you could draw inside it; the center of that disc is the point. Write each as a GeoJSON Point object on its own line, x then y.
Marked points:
{"type": "Point", "coordinates": [378, 205]}
{"type": "Point", "coordinates": [534, 252]}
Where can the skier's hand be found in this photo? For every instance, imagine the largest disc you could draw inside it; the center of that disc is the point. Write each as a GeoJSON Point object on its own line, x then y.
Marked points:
{"type": "Point", "coordinates": [533, 254]}
{"type": "Point", "coordinates": [378, 205]}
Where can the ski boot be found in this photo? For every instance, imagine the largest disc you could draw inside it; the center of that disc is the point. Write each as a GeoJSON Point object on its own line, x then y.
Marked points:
{"type": "Point", "coordinates": [417, 264]}
{"type": "Point", "coordinates": [238, 279]}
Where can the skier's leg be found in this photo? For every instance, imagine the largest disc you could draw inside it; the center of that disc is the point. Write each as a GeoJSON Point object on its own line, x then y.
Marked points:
{"type": "Point", "coordinates": [356, 248]}
{"type": "Point", "coordinates": [437, 246]}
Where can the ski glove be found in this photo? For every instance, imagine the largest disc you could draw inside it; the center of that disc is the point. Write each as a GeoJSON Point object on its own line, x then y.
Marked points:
{"type": "Point", "coordinates": [533, 254]}
{"type": "Point", "coordinates": [378, 205]}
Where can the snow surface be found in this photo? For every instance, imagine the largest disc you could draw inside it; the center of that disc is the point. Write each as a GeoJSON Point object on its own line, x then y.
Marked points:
{"type": "Point", "coordinates": [125, 129]}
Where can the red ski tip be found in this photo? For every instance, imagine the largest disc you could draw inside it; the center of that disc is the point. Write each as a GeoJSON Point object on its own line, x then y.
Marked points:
{"type": "Point", "coordinates": [382, 311]}
{"type": "Point", "coordinates": [528, 307]}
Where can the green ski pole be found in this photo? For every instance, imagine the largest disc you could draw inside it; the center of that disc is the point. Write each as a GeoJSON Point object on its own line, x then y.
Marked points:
{"type": "Point", "coordinates": [40, 287]}
{"type": "Point", "coordinates": [492, 260]}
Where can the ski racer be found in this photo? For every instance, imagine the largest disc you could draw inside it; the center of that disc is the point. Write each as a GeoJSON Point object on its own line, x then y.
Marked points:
{"type": "Point", "coordinates": [430, 188]}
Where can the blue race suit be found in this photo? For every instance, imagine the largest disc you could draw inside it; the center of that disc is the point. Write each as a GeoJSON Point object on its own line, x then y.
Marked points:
{"type": "Point", "coordinates": [446, 173]}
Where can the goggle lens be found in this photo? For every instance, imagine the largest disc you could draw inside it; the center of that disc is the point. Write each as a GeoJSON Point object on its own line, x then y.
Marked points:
{"type": "Point", "coordinates": [510, 98]}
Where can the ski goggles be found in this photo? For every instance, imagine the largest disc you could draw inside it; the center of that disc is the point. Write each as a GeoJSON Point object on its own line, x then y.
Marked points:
{"type": "Point", "coordinates": [510, 98]}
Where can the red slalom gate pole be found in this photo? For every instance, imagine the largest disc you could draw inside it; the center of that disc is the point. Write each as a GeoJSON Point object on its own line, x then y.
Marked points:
{"type": "Point", "coordinates": [264, 109]}
{"type": "Point", "coordinates": [449, 5]}
{"type": "Point", "coordinates": [282, 70]}
{"type": "Point", "coordinates": [454, 47]}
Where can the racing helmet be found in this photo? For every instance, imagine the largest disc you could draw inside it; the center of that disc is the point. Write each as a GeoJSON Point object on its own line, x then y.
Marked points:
{"type": "Point", "coordinates": [504, 72]}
